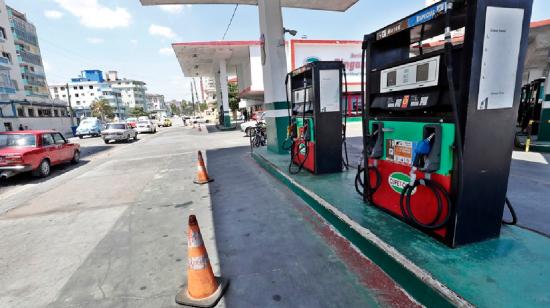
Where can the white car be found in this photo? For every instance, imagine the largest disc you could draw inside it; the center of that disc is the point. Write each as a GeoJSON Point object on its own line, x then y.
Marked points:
{"type": "Point", "coordinates": [247, 127]}
{"type": "Point", "coordinates": [146, 126]}
{"type": "Point", "coordinates": [118, 132]}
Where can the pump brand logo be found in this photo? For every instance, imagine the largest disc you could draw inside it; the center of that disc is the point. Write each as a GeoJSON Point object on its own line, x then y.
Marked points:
{"type": "Point", "coordinates": [398, 181]}
{"type": "Point", "coordinates": [311, 59]}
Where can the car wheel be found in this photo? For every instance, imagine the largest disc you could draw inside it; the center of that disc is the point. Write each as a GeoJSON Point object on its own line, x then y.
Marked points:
{"type": "Point", "coordinates": [80, 137]}
{"type": "Point", "coordinates": [43, 170]}
{"type": "Point", "coordinates": [135, 137]}
{"type": "Point", "coordinates": [106, 141]}
{"type": "Point", "coordinates": [76, 157]}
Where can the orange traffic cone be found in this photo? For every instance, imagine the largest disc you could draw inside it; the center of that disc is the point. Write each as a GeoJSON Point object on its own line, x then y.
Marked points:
{"type": "Point", "coordinates": [202, 174]}
{"type": "Point", "coordinates": [203, 289]}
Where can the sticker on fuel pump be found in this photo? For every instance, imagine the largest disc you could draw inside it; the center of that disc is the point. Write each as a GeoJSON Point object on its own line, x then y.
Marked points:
{"type": "Point", "coordinates": [398, 181]}
{"type": "Point", "coordinates": [399, 151]}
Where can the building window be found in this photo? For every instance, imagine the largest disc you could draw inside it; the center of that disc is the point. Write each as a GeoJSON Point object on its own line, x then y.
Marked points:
{"type": "Point", "coordinates": [76, 95]}
{"type": "Point", "coordinates": [64, 96]}
{"type": "Point", "coordinates": [92, 87]}
{"type": "Point", "coordinates": [54, 89]}
{"type": "Point", "coordinates": [55, 113]}
{"type": "Point", "coordinates": [62, 88]}
{"type": "Point", "coordinates": [43, 113]}
{"type": "Point", "coordinates": [6, 55]}
{"type": "Point", "coordinates": [75, 87]}
{"type": "Point", "coordinates": [2, 33]}
{"type": "Point", "coordinates": [81, 87]}
{"type": "Point", "coordinates": [78, 102]}
{"type": "Point", "coordinates": [30, 112]}
{"type": "Point", "coordinates": [91, 94]}
{"type": "Point", "coordinates": [20, 112]}
{"type": "Point", "coordinates": [57, 96]}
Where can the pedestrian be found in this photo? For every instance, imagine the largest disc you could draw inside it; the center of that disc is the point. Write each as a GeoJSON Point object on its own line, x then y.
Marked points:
{"type": "Point", "coordinates": [21, 127]}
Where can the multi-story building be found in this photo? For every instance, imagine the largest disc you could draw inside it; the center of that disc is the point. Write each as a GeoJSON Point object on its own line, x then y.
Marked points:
{"type": "Point", "coordinates": [82, 91]}
{"type": "Point", "coordinates": [28, 54]}
{"type": "Point", "coordinates": [155, 101]}
{"type": "Point", "coordinates": [157, 106]}
{"type": "Point", "coordinates": [132, 91]}
{"type": "Point", "coordinates": [23, 102]}
{"type": "Point", "coordinates": [10, 76]}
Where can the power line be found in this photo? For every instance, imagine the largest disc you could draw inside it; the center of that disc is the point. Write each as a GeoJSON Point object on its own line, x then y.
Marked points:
{"type": "Point", "coordinates": [230, 21]}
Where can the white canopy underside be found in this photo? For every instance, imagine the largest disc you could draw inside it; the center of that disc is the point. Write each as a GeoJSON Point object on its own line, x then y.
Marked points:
{"type": "Point", "coordinates": [325, 5]}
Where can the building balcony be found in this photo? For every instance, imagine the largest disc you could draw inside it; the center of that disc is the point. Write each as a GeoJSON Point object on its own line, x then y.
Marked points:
{"type": "Point", "coordinates": [7, 90]}
{"type": "Point", "coordinates": [36, 94]}
{"type": "Point", "coordinates": [33, 74]}
{"type": "Point", "coordinates": [5, 63]}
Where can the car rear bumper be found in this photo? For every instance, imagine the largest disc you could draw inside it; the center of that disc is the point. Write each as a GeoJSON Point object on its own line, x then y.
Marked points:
{"type": "Point", "coordinates": [9, 171]}
{"type": "Point", "coordinates": [114, 137]}
{"type": "Point", "coordinates": [144, 130]}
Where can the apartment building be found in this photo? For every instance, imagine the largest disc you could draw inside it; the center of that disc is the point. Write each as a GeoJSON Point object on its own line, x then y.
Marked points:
{"type": "Point", "coordinates": [132, 91]}
{"type": "Point", "coordinates": [23, 101]}
{"type": "Point", "coordinates": [83, 90]}
{"type": "Point", "coordinates": [28, 54]}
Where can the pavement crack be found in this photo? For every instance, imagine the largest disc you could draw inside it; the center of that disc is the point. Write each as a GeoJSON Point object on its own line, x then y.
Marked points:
{"type": "Point", "coordinates": [100, 285]}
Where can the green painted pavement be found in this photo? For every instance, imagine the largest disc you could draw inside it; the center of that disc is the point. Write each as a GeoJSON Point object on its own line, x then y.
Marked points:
{"type": "Point", "coordinates": [511, 271]}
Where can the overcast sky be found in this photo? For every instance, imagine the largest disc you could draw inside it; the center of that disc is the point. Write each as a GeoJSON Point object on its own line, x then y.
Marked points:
{"type": "Point", "coordinates": [123, 35]}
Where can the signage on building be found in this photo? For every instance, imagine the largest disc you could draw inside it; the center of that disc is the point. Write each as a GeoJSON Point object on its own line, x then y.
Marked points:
{"type": "Point", "coordinates": [349, 52]}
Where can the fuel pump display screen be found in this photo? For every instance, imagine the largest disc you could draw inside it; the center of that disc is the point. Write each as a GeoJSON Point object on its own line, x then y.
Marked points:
{"type": "Point", "coordinates": [422, 72]}
{"type": "Point", "coordinates": [392, 78]}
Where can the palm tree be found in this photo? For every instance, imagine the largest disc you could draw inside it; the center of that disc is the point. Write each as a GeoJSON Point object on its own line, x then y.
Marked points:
{"type": "Point", "coordinates": [101, 108]}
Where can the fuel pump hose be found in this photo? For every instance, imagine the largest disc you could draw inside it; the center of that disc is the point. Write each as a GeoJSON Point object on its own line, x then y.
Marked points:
{"type": "Point", "coordinates": [441, 195]}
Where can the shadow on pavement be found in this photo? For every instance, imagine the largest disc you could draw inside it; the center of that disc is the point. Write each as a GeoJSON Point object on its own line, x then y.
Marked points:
{"type": "Point", "coordinates": [269, 244]}
{"type": "Point", "coordinates": [27, 178]}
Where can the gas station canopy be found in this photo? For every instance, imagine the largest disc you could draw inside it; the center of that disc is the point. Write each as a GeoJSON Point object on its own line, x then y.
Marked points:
{"type": "Point", "coordinates": [202, 58]}
{"type": "Point", "coordinates": [326, 5]}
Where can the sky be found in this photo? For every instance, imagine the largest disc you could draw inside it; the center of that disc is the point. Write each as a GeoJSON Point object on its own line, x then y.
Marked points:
{"type": "Point", "coordinates": [134, 40]}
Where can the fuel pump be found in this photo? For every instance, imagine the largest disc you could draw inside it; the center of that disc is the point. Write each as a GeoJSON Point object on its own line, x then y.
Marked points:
{"type": "Point", "coordinates": [441, 102]}
{"type": "Point", "coordinates": [315, 128]}
{"type": "Point", "coordinates": [534, 117]}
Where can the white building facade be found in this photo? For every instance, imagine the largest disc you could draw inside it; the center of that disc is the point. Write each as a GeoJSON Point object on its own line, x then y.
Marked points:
{"type": "Point", "coordinates": [23, 102]}
{"type": "Point", "coordinates": [155, 102]}
{"type": "Point", "coordinates": [83, 93]}
{"type": "Point", "coordinates": [132, 92]}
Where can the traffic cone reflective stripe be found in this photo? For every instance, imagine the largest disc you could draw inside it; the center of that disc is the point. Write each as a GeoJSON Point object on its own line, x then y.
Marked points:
{"type": "Point", "coordinates": [203, 289]}
{"type": "Point", "coordinates": [202, 174]}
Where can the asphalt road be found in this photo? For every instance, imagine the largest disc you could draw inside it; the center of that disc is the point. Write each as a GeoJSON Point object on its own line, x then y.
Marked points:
{"type": "Point", "coordinates": [111, 232]}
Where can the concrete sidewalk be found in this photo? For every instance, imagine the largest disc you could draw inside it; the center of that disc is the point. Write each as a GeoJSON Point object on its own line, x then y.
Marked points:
{"type": "Point", "coordinates": [278, 252]}
{"type": "Point", "coordinates": [112, 233]}
{"type": "Point", "coordinates": [511, 271]}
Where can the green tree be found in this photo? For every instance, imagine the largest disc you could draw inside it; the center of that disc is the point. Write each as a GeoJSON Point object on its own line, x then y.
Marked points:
{"type": "Point", "coordinates": [175, 109]}
{"type": "Point", "coordinates": [233, 96]}
{"type": "Point", "coordinates": [102, 109]}
{"type": "Point", "coordinates": [203, 106]}
{"type": "Point", "coordinates": [138, 112]}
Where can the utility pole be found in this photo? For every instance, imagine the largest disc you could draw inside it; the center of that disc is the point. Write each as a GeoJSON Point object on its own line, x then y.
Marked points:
{"type": "Point", "coordinates": [196, 94]}
{"type": "Point", "coordinates": [192, 98]}
{"type": "Point", "coordinates": [70, 105]}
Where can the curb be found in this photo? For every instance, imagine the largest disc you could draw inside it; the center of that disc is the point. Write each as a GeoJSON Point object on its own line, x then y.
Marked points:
{"type": "Point", "coordinates": [419, 283]}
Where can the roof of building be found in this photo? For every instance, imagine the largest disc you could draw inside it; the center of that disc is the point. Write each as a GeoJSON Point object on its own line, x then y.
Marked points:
{"type": "Point", "coordinates": [540, 23]}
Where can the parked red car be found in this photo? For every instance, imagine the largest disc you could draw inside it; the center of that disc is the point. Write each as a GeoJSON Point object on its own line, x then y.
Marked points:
{"type": "Point", "coordinates": [34, 151]}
